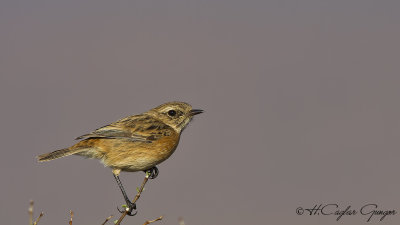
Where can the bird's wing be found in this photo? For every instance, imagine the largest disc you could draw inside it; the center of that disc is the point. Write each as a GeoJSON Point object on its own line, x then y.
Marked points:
{"type": "Point", "coordinates": [113, 132]}
{"type": "Point", "coordinates": [135, 128]}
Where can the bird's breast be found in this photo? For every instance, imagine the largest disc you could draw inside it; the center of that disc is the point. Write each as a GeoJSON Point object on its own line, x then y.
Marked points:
{"type": "Point", "coordinates": [136, 156]}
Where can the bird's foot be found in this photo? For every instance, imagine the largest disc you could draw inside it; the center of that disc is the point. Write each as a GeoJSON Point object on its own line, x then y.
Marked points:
{"type": "Point", "coordinates": [130, 208]}
{"type": "Point", "coordinates": [152, 173]}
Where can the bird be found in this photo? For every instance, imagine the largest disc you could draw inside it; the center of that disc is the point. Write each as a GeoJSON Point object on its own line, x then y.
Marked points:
{"type": "Point", "coordinates": [134, 143]}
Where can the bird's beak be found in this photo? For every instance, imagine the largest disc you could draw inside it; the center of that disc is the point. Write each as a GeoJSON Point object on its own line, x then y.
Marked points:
{"type": "Point", "coordinates": [195, 111]}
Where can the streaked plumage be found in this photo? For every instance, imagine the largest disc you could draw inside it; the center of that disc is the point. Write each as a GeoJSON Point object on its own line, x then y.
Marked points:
{"type": "Point", "coordinates": [134, 143]}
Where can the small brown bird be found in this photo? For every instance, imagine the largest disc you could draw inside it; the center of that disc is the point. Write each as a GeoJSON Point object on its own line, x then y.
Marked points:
{"type": "Point", "coordinates": [135, 143]}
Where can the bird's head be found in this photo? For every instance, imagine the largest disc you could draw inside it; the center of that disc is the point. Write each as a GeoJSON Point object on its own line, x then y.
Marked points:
{"type": "Point", "coordinates": [175, 114]}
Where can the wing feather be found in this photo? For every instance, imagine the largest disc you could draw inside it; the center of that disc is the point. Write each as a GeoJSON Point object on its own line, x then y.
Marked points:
{"type": "Point", "coordinates": [141, 128]}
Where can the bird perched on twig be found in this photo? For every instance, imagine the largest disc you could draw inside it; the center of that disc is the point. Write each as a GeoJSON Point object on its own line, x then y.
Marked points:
{"type": "Point", "coordinates": [135, 143]}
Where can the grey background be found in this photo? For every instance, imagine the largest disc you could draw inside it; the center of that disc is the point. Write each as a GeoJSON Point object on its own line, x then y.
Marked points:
{"type": "Point", "coordinates": [301, 99]}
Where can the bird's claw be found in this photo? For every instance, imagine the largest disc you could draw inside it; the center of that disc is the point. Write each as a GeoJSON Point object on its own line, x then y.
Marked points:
{"type": "Point", "coordinates": [129, 209]}
{"type": "Point", "coordinates": [152, 173]}
{"type": "Point", "coordinates": [131, 213]}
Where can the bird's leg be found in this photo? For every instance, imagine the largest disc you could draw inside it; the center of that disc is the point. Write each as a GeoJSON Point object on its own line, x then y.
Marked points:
{"type": "Point", "coordinates": [131, 206]}
{"type": "Point", "coordinates": [152, 173]}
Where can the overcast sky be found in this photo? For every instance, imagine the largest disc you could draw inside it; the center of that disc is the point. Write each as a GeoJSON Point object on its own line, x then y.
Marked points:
{"type": "Point", "coordinates": [301, 99]}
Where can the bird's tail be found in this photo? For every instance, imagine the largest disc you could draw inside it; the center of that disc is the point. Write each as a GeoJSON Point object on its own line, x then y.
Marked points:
{"type": "Point", "coordinates": [56, 154]}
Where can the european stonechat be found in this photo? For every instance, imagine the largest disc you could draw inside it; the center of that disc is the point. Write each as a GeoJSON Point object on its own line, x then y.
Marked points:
{"type": "Point", "coordinates": [135, 143]}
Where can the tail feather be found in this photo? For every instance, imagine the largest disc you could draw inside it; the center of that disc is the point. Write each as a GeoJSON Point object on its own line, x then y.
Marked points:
{"type": "Point", "coordinates": [56, 154]}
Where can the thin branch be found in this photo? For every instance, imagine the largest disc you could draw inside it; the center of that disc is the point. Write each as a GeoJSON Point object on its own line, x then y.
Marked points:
{"type": "Point", "coordinates": [152, 221]}
{"type": "Point", "coordinates": [107, 219]}
{"type": "Point", "coordinates": [72, 215]}
{"type": "Point", "coordinates": [30, 211]}
{"type": "Point", "coordinates": [146, 178]}
{"type": "Point", "coordinates": [37, 220]}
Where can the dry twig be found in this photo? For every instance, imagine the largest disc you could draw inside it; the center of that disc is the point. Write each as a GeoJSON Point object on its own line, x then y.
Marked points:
{"type": "Point", "coordinates": [72, 215]}
{"type": "Point", "coordinates": [107, 219]}
{"type": "Point", "coordinates": [37, 220]}
{"type": "Point", "coordinates": [152, 221]}
{"type": "Point", "coordinates": [146, 178]}
{"type": "Point", "coordinates": [30, 211]}
{"type": "Point", "coordinates": [118, 222]}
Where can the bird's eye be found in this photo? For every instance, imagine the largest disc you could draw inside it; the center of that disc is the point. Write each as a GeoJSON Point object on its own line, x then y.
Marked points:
{"type": "Point", "coordinates": [171, 112]}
